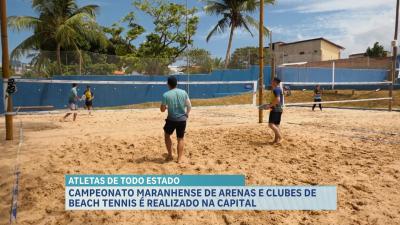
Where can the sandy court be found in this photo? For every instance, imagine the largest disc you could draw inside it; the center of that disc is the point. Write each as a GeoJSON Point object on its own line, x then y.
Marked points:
{"type": "Point", "coordinates": [356, 150]}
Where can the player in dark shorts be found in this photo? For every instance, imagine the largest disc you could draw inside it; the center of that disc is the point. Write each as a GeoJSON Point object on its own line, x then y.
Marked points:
{"type": "Point", "coordinates": [276, 110]}
{"type": "Point", "coordinates": [89, 96]}
{"type": "Point", "coordinates": [73, 99]}
{"type": "Point", "coordinates": [317, 97]}
{"type": "Point", "coordinates": [177, 102]}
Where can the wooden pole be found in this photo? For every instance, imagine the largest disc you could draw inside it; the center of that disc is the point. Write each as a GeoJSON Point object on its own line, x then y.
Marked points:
{"type": "Point", "coordinates": [394, 57]}
{"type": "Point", "coordinates": [261, 60]}
{"type": "Point", "coordinates": [6, 69]}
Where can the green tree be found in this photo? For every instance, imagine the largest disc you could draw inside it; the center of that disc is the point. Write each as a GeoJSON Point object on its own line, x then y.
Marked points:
{"type": "Point", "coordinates": [235, 14]}
{"type": "Point", "coordinates": [376, 51]}
{"type": "Point", "coordinates": [217, 63]}
{"type": "Point", "coordinates": [171, 35]}
{"type": "Point", "coordinates": [247, 56]}
{"type": "Point", "coordinates": [60, 25]}
{"type": "Point", "coordinates": [121, 43]}
{"type": "Point", "coordinates": [200, 61]}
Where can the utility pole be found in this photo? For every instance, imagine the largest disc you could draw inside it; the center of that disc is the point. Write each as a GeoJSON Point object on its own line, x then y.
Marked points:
{"type": "Point", "coordinates": [272, 55]}
{"type": "Point", "coordinates": [6, 71]}
{"type": "Point", "coordinates": [261, 59]}
{"type": "Point", "coordinates": [187, 48]}
{"type": "Point", "coordinates": [394, 57]}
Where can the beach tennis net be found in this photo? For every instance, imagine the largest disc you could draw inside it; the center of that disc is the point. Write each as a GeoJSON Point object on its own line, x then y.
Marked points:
{"type": "Point", "coordinates": [339, 94]}
{"type": "Point", "coordinates": [52, 94]}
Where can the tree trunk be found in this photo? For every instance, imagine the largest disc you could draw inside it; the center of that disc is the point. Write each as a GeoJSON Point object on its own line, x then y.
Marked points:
{"type": "Point", "coordinates": [59, 58]}
{"type": "Point", "coordinates": [80, 61]}
{"type": "Point", "coordinates": [228, 51]}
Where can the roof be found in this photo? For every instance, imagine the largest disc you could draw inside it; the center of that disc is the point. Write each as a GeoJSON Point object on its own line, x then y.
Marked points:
{"type": "Point", "coordinates": [361, 53]}
{"type": "Point", "coordinates": [308, 40]}
{"type": "Point", "coordinates": [357, 54]}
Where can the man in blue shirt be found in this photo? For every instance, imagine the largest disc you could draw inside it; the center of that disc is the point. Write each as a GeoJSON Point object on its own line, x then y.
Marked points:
{"type": "Point", "coordinates": [276, 110]}
{"type": "Point", "coordinates": [73, 99]}
{"type": "Point", "coordinates": [177, 102]}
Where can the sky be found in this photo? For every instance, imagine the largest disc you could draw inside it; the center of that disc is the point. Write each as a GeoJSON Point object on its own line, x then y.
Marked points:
{"type": "Point", "coordinates": [353, 24]}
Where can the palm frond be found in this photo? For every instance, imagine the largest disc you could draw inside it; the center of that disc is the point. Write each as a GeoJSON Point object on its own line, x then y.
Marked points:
{"type": "Point", "coordinates": [78, 19]}
{"type": "Point", "coordinates": [19, 23]}
{"type": "Point", "coordinates": [86, 26]}
{"type": "Point", "coordinates": [215, 7]}
{"type": "Point", "coordinates": [219, 28]}
{"type": "Point", "coordinates": [254, 23]}
{"type": "Point", "coordinates": [44, 6]}
{"type": "Point", "coordinates": [66, 35]}
{"type": "Point", "coordinates": [243, 22]}
{"type": "Point", "coordinates": [257, 2]}
{"type": "Point", "coordinates": [26, 46]}
{"type": "Point", "coordinates": [91, 10]}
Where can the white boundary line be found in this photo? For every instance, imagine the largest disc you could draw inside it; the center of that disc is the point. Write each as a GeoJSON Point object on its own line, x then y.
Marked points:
{"type": "Point", "coordinates": [15, 190]}
{"type": "Point", "coordinates": [340, 101]}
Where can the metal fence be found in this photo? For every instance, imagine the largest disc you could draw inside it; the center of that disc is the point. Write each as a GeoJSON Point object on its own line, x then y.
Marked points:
{"type": "Point", "coordinates": [46, 64]}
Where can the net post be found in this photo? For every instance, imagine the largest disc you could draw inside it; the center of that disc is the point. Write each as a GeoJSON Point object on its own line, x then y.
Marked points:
{"type": "Point", "coordinates": [394, 56]}
{"type": "Point", "coordinates": [333, 75]}
{"type": "Point", "coordinates": [6, 70]}
{"type": "Point", "coordinates": [261, 61]}
{"type": "Point", "coordinates": [392, 74]}
{"type": "Point", "coordinates": [283, 94]}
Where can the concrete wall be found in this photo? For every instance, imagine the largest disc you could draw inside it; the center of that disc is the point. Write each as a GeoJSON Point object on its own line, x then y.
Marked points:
{"type": "Point", "coordinates": [355, 63]}
{"type": "Point", "coordinates": [293, 74]}
{"type": "Point", "coordinates": [329, 51]}
{"type": "Point", "coordinates": [310, 51]}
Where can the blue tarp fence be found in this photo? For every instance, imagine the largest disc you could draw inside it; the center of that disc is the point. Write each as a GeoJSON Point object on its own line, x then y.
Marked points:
{"type": "Point", "coordinates": [47, 94]}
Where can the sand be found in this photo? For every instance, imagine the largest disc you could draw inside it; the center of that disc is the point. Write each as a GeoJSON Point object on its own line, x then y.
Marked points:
{"type": "Point", "coordinates": [356, 150]}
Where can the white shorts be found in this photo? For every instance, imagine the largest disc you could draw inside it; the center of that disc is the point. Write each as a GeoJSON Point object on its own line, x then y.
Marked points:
{"type": "Point", "coordinates": [73, 106]}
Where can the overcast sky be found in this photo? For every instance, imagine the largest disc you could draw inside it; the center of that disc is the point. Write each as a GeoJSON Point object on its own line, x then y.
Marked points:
{"type": "Point", "coordinates": [354, 24]}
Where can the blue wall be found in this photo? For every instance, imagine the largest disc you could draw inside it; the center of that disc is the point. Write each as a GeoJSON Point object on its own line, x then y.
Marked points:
{"type": "Point", "coordinates": [34, 94]}
{"type": "Point", "coordinates": [39, 94]}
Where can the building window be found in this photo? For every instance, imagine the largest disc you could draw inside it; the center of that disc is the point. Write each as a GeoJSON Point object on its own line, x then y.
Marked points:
{"type": "Point", "coordinates": [301, 53]}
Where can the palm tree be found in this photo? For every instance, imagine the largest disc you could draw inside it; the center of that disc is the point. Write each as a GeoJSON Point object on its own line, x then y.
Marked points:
{"type": "Point", "coordinates": [235, 14]}
{"type": "Point", "coordinates": [61, 24]}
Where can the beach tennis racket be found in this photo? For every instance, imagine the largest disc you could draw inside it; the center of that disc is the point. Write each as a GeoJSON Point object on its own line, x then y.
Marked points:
{"type": "Point", "coordinates": [264, 106]}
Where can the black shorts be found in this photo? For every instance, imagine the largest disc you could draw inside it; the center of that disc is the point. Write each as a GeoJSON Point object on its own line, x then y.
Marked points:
{"type": "Point", "coordinates": [179, 126]}
{"type": "Point", "coordinates": [89, 103]}
{"type": "Point", "coordinates": [275, 117]}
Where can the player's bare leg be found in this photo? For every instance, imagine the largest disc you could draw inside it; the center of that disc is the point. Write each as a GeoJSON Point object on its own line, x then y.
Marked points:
{"type": "Point", "coordinates": [181, 144]}
{"type": "Point", "coordinates": [168, 145]}
{"type": "Point", "coordinates": [75, 115]}
{"type": "Point", "coordinates": [277, 132]}
{"type": "Point", "coordinates": [65, 117]}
